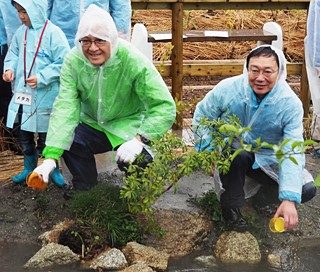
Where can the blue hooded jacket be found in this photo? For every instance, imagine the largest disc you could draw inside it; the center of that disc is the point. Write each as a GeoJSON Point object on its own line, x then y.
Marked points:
{"type": "Point", "coordinates": [277, 117]}
{"type": "Point", "coordinates": [9, 21]}
{"type": "Point", "coordinates": [47, 66]}
{"type": "Point", "coordinates": [67, 14]}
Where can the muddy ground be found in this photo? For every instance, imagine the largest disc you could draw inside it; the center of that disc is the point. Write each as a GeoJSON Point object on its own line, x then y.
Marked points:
{"type": "Point", "coordinates": [26, 213]}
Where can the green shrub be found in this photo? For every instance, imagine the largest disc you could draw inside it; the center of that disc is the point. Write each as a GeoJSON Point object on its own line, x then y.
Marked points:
{"type": "Point", "coordinates": [104, 217]}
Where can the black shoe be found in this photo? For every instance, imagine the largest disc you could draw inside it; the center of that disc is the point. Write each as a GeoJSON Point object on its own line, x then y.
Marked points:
{"type": "Point", "coordinates": [68, 191]}
{"type": "Point", "coordinates": [234, 220]}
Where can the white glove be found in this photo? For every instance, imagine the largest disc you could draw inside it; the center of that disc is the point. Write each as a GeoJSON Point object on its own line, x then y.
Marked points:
{"type": "Point", "coordinates": [45, 169]}
{"type": "Point", "coordinates": [128, 151]}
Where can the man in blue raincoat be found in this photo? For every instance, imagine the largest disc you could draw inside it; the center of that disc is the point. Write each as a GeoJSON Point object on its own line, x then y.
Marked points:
{"type": "Point", "coordinates": [67, 14]}
{"type": "Point", "coordinates": [264, 102]}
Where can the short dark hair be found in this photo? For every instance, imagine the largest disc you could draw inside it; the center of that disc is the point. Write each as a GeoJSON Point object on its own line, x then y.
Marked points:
{"type": "Point", "coordinates": [262, 51]}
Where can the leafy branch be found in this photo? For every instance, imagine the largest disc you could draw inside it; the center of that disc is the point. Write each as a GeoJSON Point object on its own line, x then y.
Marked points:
{"type": "Point", "coordinates": [174, 160]}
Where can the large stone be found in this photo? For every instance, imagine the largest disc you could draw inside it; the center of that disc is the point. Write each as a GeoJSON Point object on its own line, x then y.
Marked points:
{"type": "Point", "coordinates": [52, 254]}
{"type": "Point", "coordinates": [237, 247]}
{"type": "Point", "coordinates": [137, 253]}
{"type": "Point", "coordinates": [53, 235]}
{"type": "Point", "coordinates": [185, 226]}
{"type": "Point", "coordinates": [184, 231]}
{"type": "Point", "coordinates": [112, 259]}
{"type": "Point", "coordinates": [138, 267]}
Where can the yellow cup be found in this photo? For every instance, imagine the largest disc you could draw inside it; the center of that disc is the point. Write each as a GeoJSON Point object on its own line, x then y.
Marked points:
{"type": "Point", "coordinates": [35, 181]}
{"type": "Point", "coordinates": [276, 224]}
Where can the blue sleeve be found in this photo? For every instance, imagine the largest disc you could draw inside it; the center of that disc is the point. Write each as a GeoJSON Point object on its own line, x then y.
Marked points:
{"type": "Point", "coordinates": [120, 10]}
{"type": "Point", "coordinates": [11, 60]}
{"type": "Point", "coordinates": [3, 35]}
{"type": "Point", "coordinates": [211, 108]}
{"type": "Point", "coordinates": [50, 4]}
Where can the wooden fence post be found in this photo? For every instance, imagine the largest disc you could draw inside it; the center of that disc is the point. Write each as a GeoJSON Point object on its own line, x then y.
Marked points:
{"type": "Point", "coordinates": [177, 58]}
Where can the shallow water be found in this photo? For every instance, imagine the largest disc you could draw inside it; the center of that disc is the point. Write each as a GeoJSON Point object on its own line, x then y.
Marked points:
{"type": "Point", "coordinates": [15, 255]}
{"type": "Point", "coordinates": [306, 259]}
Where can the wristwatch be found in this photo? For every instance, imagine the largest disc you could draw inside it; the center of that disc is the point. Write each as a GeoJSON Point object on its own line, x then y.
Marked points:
{"type": "Point", "coordinates": [144, 139]}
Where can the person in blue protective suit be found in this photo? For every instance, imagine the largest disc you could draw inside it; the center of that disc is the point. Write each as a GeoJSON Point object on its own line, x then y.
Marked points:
{"type": "Point", "coordinates": [9, 23]}
{"type": "Point", "coordinates": [33, 64]}
{"type": "Point", "coordinates": [264, 102]}
{"type": "Point", "coordinates": [67, 14]}
{"type": "Point", "coordinates": [312, 58]}
{"type": "Point", "coordinates": [111, 98]}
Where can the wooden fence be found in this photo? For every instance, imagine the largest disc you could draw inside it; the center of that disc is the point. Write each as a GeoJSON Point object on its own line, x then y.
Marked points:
{"type": "Point", "coordinates": [178, 68]}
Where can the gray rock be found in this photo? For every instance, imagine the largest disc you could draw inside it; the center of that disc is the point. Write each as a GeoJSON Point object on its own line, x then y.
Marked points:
{"type": "Point", "coordinates": [138, 267]}
{"type": "Point", "coordinates": [112, 259]}
{"type": "Point", "coordinates": [207, 261]}
{"type": "Point", "coordinates": [235, 247]}
{"type": "Point", "coordinates": [52, 254]}
{"type": "Point", "coordinates": [274, 260]}
{"type": "Point", "coordinates": [136, 253]}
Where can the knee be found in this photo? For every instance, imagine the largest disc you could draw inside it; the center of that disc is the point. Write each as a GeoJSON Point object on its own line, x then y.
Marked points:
{"type": "Point", "coordinates": [243, 158]}
{"type": "Point", "coordinates": [308, 192]}
{"type": "Point", "coordinates": [27, 149]}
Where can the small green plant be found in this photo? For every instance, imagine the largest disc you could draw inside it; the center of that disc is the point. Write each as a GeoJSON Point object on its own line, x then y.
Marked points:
{"type": "Point", "coordinates": [165, 56]}
{"type": "Point", "coordinates": [77, 234]}
{"type": "Point", "coordinates": [42, 204]}
{"type": "Point", "coordinates": [103, 218]}
{"type": "Point", "coordinates": [209, 203]}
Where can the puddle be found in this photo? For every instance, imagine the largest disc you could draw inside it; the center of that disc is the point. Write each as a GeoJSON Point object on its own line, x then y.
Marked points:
{"type": "Point", "coordinates": [306, 259]}
{"type": "Point", "coordinates": [15, 255]}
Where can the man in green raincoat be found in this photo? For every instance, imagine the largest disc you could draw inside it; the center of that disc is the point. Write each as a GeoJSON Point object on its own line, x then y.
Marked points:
{"type": "Point", "coordinates": [111, 98]}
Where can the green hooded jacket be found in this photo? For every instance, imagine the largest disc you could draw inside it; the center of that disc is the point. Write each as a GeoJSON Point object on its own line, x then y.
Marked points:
{"type": "Point", "coordinates": [123, 97]}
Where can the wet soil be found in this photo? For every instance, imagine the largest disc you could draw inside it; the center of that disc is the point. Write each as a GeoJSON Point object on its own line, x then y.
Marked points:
{"type": "Point", "coordinates": [26, 213]}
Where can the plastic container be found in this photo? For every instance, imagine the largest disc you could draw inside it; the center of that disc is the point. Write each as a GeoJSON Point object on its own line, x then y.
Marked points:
{"type": "Point", "coordinates": [276, 224]}
{"type": "Point", "coordinates": [35, 181]}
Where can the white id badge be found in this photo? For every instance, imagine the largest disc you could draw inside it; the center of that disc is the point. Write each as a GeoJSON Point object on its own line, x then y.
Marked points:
{"type": "Point", "coordinates": [22, 98]}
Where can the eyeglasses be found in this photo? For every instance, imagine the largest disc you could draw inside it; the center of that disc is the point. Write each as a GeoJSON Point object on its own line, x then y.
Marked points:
{"type": "Point", "coordinates": [88, 43]}
{"type": "Point", "coordinates": [256, 72]}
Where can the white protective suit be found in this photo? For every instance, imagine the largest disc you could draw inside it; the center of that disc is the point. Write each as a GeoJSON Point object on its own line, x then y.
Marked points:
{"type": "Point", "coordinates": [279, 116]}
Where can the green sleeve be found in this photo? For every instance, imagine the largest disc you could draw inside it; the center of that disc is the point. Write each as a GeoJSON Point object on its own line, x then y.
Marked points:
{"type": "Point", "coordinates": [51, 152]}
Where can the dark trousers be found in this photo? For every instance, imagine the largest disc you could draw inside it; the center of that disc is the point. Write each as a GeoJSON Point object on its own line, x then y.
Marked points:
{"type": "Point", "coordinates": [5, 97]}
{"type": "Point", "coordinates": [233, 181]}
{"type": "Point", "coordinates": [80, 158]}
{"type": "Point", "coordinates": [29, 142]}
{"type": "Point", "coordinates": [5, 88]}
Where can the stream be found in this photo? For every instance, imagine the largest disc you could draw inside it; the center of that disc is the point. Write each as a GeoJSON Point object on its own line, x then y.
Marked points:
{"type": "Point", "coordinates": [306, 259]}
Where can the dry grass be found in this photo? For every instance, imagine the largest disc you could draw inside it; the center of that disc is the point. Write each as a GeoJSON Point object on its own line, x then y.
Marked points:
{"type": "Point", "coordinates": [10, 165]}
{"type": "Point", "coordinates": [293, 25]}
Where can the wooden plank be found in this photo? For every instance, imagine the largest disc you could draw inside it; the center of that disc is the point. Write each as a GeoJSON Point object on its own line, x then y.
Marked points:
{"type": "Point", "coordinates": [200, 36]}
{"type": "Point", "coordinates": [221, 4]}
{"type": "Point", "coordinates": [216, 68]}
{"type": "Point", "coordinates": [213, 1]}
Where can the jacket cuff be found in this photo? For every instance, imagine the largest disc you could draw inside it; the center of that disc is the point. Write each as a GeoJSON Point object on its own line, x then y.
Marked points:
{"type": "Point", "coordinates": [291, 196]}
{"type": "Point", "coordinates": [51, 152]}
